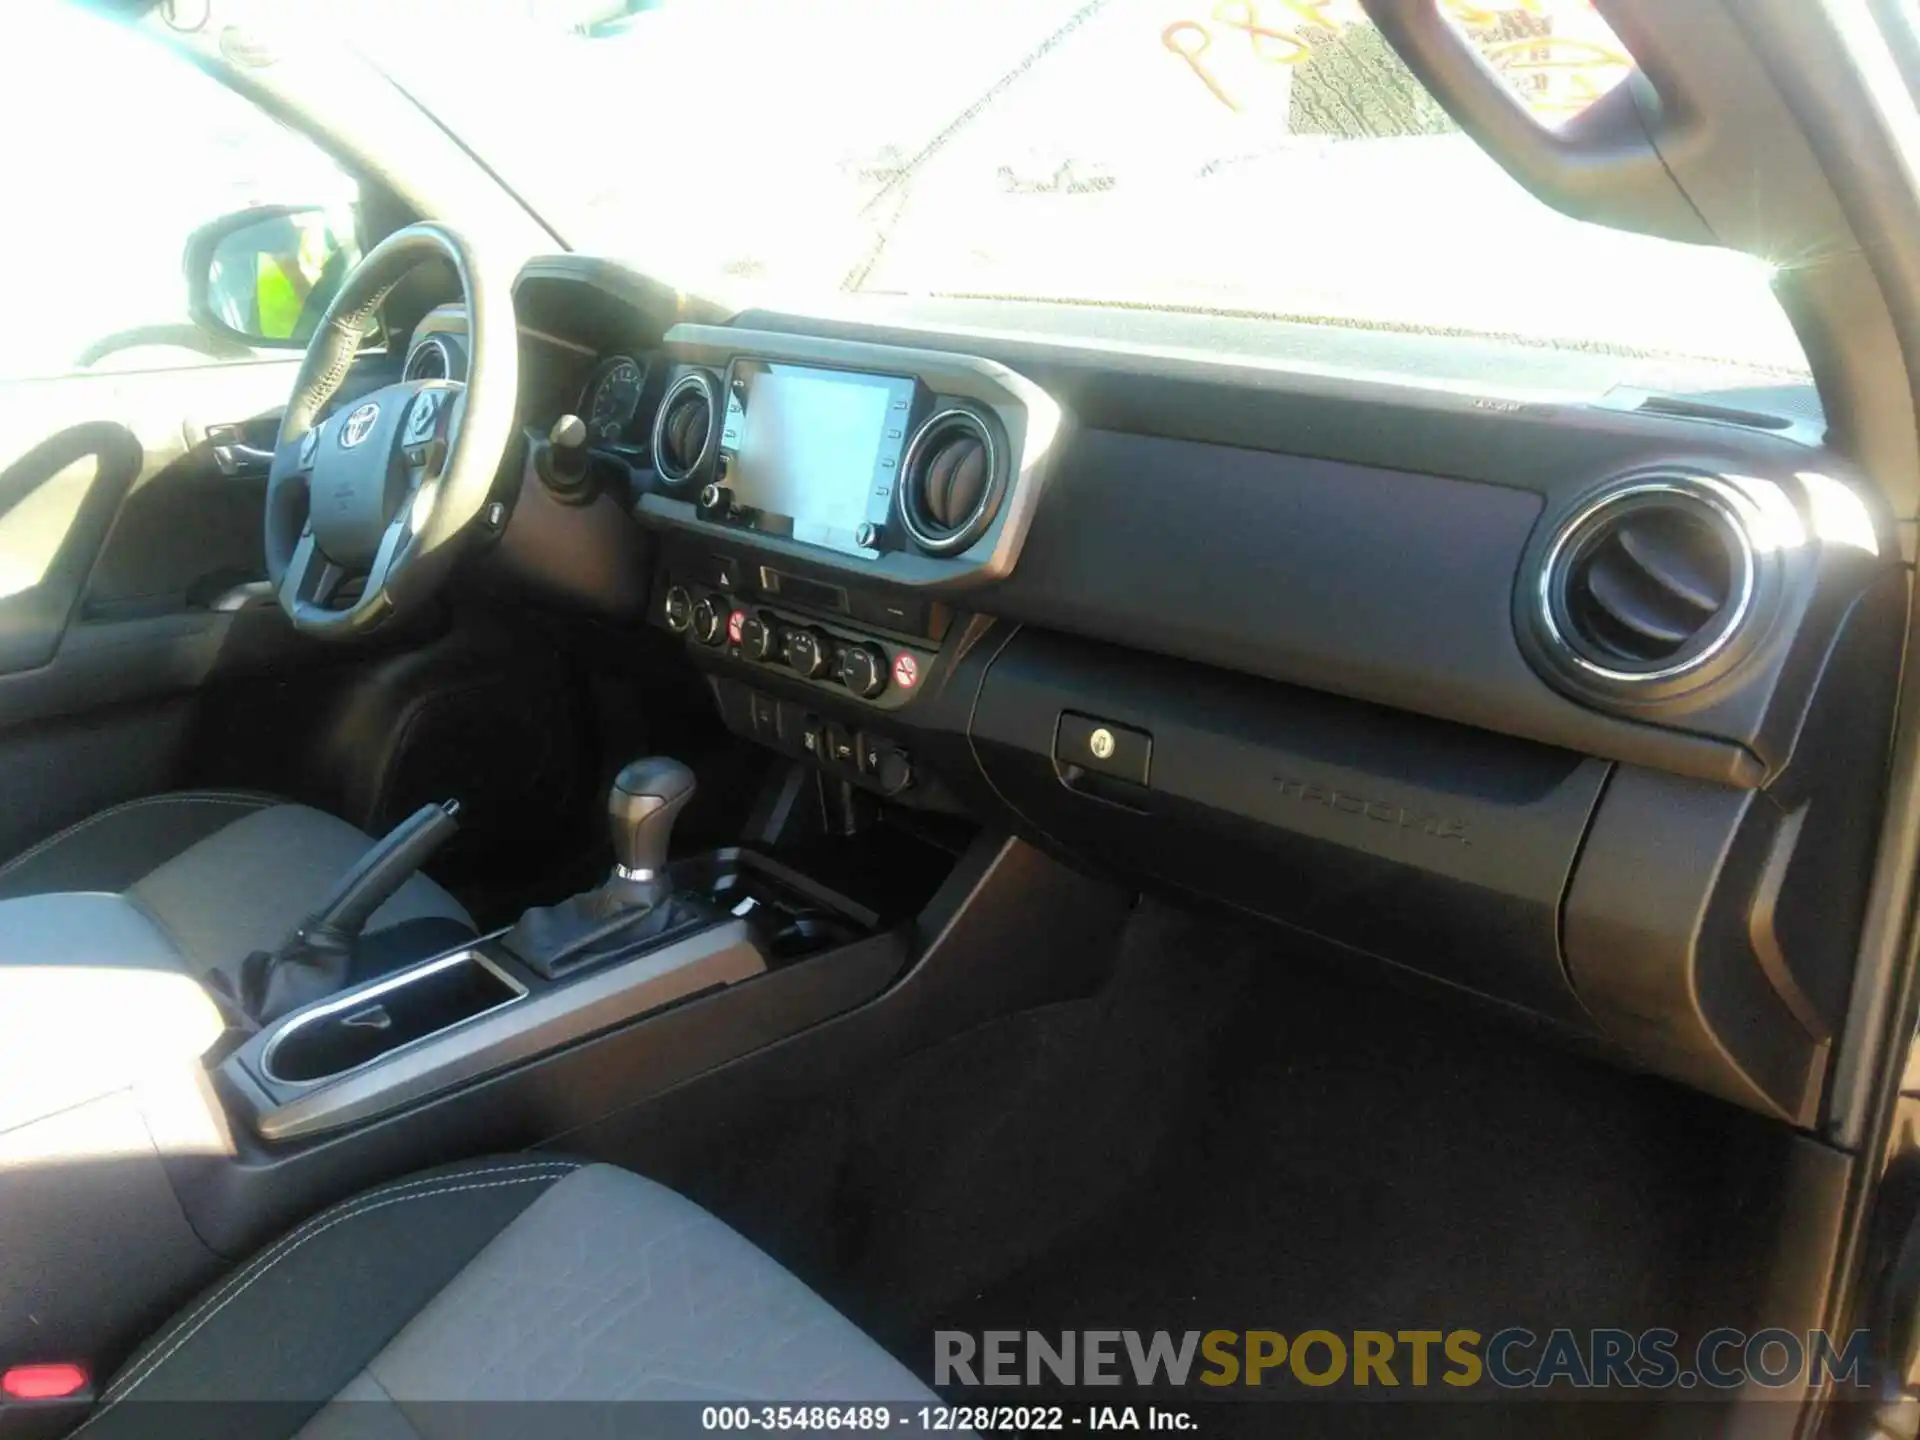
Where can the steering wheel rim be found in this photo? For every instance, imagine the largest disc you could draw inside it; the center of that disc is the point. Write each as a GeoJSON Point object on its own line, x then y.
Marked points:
{"type": "Point", "coordinates": [387, 487]}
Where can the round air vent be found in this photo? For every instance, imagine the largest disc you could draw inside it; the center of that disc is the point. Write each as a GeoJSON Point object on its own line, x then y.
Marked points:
{"type": "Point", "coordinates": [435, 358]}
{"type": "Point", "coordinates": [1650, 581]}
{"type": "Point", "coordinates": [683, 428]}
{"type": "Point", "coordinates": [952, 482]}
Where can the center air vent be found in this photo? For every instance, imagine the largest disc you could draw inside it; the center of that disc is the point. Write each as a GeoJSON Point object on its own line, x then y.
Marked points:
{"type": "Point", "coordinates": [683, 428]}
{"type": "Point", "coordinates": [1650, 581]}
{"type": "Point", "coordinates": [951, 482]}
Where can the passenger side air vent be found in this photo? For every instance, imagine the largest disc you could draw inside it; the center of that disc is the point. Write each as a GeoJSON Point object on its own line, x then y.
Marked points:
{"type": "Point", "coordinates": [951, 482]}
{"type": "Point", "coordinates": [683, 428]}
{"type": "Point", "coordinates": [1650, 581]}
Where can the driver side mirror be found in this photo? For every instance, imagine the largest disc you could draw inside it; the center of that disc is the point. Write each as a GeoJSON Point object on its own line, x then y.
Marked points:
{"type": "Point", "coordinates": [265, 276]}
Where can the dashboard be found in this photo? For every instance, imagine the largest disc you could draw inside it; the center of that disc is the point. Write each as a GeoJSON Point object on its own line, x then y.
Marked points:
{"type": "Point", "coordinates": [1582, 708]}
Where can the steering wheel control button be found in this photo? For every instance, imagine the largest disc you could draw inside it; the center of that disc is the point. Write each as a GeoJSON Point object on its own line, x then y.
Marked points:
{"type": "Point", "coordinates": [863, 670]}
{"type": "Point", "coordinates": [1103, 747]}
{"type": "Point", "coordinates": [423, 417]}
{"type": "Point", "coordinates": [807, 654]}
{"type": "Point", "coordinates": [710, 621]}
{"type": "Point", "coordinates": [678, 609]}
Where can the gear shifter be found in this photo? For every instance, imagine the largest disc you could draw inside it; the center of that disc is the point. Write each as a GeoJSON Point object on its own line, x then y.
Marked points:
{"type": "Point", "coordinates": [646, 799]}
{"type": "Point", "coordinates": [636, 902]}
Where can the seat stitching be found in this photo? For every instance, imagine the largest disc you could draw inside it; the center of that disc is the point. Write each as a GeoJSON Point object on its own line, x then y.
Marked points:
{"type": "Point", "coordinates": [184, 797]}
{"type": "Point", "coordinates": [341, 1219]}
{"type": "Point", "coordinates": [553, 1169]}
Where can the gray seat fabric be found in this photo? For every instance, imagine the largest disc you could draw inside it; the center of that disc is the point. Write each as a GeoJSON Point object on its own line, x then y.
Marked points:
{"type": "Point", "coordinates": [215, 874]}
{"type": "Point", "coordinates": [461, 1301]}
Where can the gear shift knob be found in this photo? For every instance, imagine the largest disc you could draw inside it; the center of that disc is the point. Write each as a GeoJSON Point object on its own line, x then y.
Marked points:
{"type": "Point", "coordinates": [647, 796]}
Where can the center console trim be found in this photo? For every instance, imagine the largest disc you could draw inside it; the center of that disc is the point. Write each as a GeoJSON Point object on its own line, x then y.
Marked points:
{"type": "Point", "coordinates": [353, 999]}
{"type": "Point", "coordinates": [547, 1018]}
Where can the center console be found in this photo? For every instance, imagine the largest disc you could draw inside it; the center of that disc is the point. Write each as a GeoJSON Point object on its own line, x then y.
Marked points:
{"type": "Point", "coordinates": [826, 507]}
{"type": "Point", "coordinates": [482, 1009]}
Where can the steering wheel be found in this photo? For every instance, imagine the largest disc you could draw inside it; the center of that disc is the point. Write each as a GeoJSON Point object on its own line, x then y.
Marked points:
{"type": "Point", "coordinates": [382, 490]}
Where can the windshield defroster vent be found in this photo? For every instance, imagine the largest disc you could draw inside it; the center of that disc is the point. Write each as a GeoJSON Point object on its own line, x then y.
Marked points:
{"type": "Point", "coordinates": [1650, 581]}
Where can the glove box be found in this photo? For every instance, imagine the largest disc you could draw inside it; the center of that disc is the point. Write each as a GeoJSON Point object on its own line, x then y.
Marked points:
{"type": "Point", "coordinates": [1429, 844]}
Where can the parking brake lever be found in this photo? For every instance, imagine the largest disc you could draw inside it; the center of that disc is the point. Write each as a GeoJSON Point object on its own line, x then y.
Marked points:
{"type": "Point", "coordinates": [317, 958]}
{"type": "Point", "coordinates": [378, 874]}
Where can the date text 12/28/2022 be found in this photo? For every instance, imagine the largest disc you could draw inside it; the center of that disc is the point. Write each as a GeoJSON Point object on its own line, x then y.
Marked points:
{"type": "Point", "coordinates": [943, 1419]}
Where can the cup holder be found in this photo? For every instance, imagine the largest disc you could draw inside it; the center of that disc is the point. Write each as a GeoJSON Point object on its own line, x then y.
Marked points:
{"type": "Point", "coordinates": [793, 917]}
{"type": "Point", "coordinates": [368, 1024]}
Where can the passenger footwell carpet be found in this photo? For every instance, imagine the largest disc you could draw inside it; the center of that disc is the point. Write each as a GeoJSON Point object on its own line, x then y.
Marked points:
{"type": "Point", "coordinates": [1226, 1139]}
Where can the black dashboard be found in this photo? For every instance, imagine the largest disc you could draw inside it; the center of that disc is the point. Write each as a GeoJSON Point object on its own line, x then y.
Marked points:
{"type": "Point", "coordinates": [1580, 708]}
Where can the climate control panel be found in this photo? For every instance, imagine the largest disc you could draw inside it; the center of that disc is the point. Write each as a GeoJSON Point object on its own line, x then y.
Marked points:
{"type": "Point", "coordinates": [874, 669]}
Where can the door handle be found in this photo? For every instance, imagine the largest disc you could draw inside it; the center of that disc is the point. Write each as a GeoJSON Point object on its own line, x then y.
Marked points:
{"type": "Point", "coordinates": [233, 454]}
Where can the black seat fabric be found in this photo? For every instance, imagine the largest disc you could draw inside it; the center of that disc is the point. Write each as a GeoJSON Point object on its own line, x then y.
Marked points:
{"type": "Point", "coordinates": [449, 1303]}
{"type": "Point", "coordinates": [215, 874]}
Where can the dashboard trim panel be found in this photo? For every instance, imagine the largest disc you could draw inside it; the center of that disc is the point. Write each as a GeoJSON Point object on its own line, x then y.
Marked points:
{"type": "Point", "coordinates": [1032, 421]}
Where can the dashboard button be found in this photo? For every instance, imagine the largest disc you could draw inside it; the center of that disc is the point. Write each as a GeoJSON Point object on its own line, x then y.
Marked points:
{"type": "Point", "coordinates": [678, 609]}
{"type": "Point", "coordinates": [766, 717]}
{"type": "Point", "coordinates": [759, 638]}
{"type": "Point", "coordinates": [710, 618]}
{"type": "Point", "coordinates": [813, 737]}
{"type": "Point", "coordinates": [894, 771]}
{"type": "Point", "coordinates": [905, 613]}
{"type": "Point", "coordinates": [807, 653]}
{"type": "Point", "coordinates": [840, 745]}
{"type": "Point", "coordinates": [863, 670]}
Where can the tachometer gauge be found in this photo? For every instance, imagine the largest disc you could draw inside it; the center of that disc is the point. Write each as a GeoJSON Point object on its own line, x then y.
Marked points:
{"type": "Point", "coordinates": [613, 397]}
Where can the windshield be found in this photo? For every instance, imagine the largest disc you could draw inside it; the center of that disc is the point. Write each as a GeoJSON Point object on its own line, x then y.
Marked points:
{"type": "Point", "coordinates": [1041, 163]}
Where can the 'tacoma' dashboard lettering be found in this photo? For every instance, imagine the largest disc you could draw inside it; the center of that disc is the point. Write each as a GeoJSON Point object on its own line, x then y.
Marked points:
{"type": "Point", "coordinates": [1383, 812]}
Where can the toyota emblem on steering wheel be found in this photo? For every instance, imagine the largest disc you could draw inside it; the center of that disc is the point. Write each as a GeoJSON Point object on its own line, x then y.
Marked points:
{"type": "Point", "coordinates": [359, 425]}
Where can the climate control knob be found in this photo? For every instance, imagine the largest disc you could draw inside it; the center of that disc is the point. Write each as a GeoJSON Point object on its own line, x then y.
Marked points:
{"type": "Point", "coordinates": [678, 609]}
{"type": "Point", "coordinates": [760, 639]}
{"type": "Point", "coordinates": [807, 653]}
{"type": "Point", "coordinates": [863, 670]}
{"type": "Point", "coordinates": [710, 621]}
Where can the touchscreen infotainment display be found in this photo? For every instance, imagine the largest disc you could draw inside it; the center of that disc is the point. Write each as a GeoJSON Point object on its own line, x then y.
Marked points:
{"type": "Point", "coordinates": [813, 453]}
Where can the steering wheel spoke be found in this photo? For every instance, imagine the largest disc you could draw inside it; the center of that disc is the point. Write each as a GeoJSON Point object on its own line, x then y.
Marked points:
{"type": "Point", "coordinates": [312, 580]}
{"type": "Point", "coordinates": [392, 552]}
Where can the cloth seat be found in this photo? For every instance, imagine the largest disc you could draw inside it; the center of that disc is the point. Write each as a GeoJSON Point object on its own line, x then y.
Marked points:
{"type": "Point", "coordinates": [189, 881]}
{"type": "Point", "coordinates": [465, 1300]}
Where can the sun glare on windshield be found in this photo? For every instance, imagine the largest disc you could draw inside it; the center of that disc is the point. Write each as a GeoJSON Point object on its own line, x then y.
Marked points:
{"type": "Point", "coordinates": [1260, 160]}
